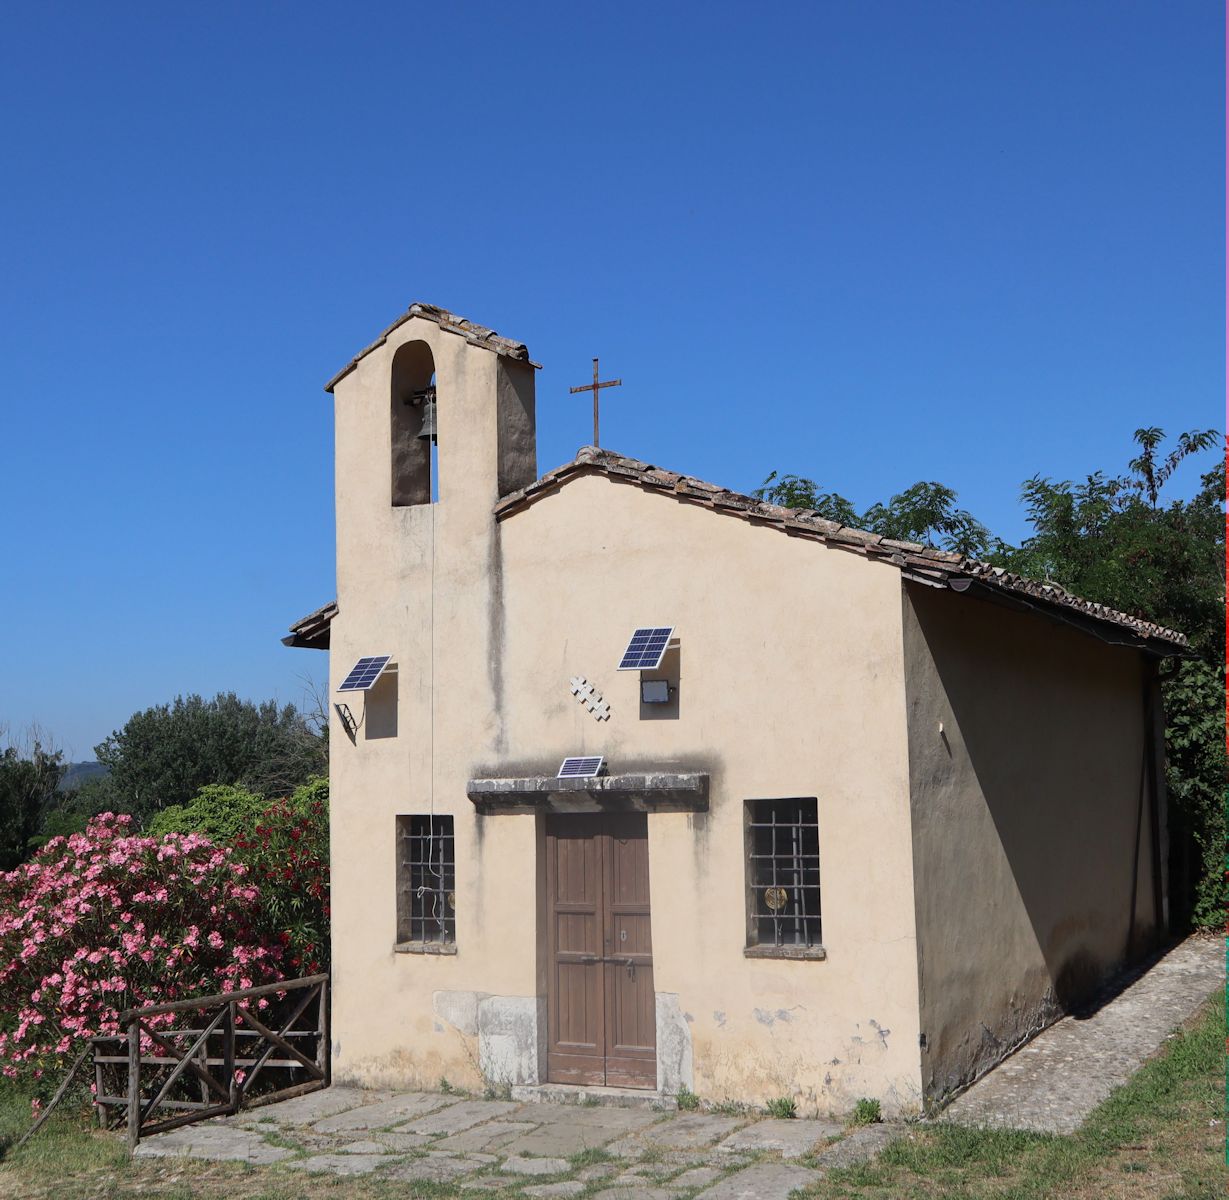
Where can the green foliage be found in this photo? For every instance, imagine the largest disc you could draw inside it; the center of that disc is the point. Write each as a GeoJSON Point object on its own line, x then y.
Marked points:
{"type": "Point", "coordinates": [783, 1108]}
{"type": "Point", "coordinates": [287, 853]}
{"type": "Point", "coordinates": [795, 491]}
{"type": "Point", "coordinates": [220, 811]}
{"type": "Point", "coordinates": [29, 777]}
{"type": "Point", "coordinates": [165, 754]}
{"type": "Point", "coordinates": [688, 1101]}
{"type": "Point", "coordinates": [1195, 774]}
{"type": "Point", "coordinates": [866, 1112]}
{"type": "Point", "coordinates": [1152, 476]}
{"type": "Point", "coordinates": [59, 822]}
{"type": "Point", "coordinates": [925, 512]}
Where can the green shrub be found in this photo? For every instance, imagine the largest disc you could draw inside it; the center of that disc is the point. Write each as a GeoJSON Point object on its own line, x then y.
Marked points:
{"type": "Point", "coordinates": [687, 1099]}
{"type": "Point", "coordinates": [220, 811]}
{"type": "Point", "coordinates": [865, 1112]}
{"type": "Point", "coordinates": [783, 1108]}
{"type": "Point", "coordinates": [285, 845]}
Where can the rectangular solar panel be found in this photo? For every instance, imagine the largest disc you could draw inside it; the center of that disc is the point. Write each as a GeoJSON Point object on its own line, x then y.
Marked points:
{"type": "Point", "coordinates": [366, 671]}
{"type": "Point", "coordinates": [644, 652]}
{"type": "Point", "coordinates": [579, 768]}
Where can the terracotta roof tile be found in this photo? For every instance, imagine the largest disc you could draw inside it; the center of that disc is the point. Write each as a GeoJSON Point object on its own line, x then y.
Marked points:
{"type": "Point", "coordinates": [312, 631]}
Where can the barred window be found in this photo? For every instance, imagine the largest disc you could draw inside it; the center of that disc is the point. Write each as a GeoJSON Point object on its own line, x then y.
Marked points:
{"type": "Point", "coordinates": [426, 880]}
{"type": "Point", "coordinates": [783, 872]}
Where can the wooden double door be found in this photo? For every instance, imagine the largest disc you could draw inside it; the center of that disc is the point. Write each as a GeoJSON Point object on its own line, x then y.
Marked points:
{"type": "Point", "coordinates": [600, 999]}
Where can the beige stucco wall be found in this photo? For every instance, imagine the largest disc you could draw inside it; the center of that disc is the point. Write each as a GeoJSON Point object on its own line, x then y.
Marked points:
{"type": "Point", "coordinates": [791, 684]}
{"type": "Point", "coordinates": [1026, 747]}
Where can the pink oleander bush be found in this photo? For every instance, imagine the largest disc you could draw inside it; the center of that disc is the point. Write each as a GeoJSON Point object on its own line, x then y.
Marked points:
{"type": "Point", "coordinates": [108, 919]}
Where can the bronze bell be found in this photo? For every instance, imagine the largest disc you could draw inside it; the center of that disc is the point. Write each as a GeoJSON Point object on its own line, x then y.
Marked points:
{"type": "Point", "coordinates": [427, 432]}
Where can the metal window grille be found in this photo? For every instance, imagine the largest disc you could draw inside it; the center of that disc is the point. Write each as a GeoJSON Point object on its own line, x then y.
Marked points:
{"type": "Point", "coordinates": [783, 851]}
{"type": "Point", "coordinates": [426, 880]}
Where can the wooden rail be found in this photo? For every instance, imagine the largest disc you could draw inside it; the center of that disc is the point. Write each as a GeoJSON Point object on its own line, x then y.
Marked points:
{"type": "Point", "coordinates": [229, 1048]}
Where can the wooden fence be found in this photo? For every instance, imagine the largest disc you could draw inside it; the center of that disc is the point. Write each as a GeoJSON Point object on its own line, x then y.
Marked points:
{"type": "Point", "coordinates": [213, 1068]}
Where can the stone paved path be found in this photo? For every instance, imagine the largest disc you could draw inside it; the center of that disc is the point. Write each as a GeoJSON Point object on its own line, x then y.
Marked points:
{"type": "Point", "coordinates": [532, 1150]}
{"type": "Point", "coordinates": [1054, 1082]}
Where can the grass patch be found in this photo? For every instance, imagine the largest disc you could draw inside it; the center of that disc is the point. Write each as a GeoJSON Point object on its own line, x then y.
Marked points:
{"type": "Point", "coordinates": [1160, 1136]}
{"type": "Point", "coordinates": [64, 1145]}
{"type": "Point", "coordinates": [783, 1108]}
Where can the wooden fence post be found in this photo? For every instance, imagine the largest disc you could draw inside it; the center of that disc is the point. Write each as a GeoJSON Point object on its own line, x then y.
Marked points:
{"type": "Point", "coordinates": [324, 1059]}
{"type": "Point", "coordinates": [232, 1085]}
{"type": "Point", "coordinates": [134, 1083]}
{"type": "Point", "coordinates": [100, 1109]}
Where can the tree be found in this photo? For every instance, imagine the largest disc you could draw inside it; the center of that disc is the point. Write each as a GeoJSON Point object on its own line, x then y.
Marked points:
{"type": "Point", "coordinates": [29, 776]}
{"type": "Point", "coordinates": [165, 754]}
{"type": "Point", "coordinates": [925, 513]}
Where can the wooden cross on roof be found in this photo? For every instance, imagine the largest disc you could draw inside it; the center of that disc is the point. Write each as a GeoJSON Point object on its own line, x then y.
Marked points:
{"type": "Point", "coordinates": [593, 387]}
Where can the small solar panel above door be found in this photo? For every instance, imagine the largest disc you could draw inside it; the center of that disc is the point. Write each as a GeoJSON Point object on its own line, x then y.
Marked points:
{"type": "Point", "coordinates": [366, 671]}
{"type": "Point", "coordinates": [579, 768]}
{"type": "Point", "coordinates": [644, 652]}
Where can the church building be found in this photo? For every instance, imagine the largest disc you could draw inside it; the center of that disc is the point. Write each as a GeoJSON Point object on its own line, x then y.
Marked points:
{"type": "Point", "coordinates": [640, 783]}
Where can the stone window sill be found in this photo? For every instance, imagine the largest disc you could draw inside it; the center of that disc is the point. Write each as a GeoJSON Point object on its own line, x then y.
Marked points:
{"type": "Point", "coordinates": [806, 953]}
{"type": "Point", "coordinates": [424, 948]}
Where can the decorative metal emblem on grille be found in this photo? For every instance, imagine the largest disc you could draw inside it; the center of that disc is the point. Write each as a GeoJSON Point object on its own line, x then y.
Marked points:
{"type": "Point", "coordinates": [776, 898]}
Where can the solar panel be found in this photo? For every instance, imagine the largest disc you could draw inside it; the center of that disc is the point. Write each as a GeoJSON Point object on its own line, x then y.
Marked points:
{"type": "Point", "coordinates": [645, 650]}
{"type": "Point", "coordinates": [366, 671]}
{"type": "Point", "coordinates": [579, 768]}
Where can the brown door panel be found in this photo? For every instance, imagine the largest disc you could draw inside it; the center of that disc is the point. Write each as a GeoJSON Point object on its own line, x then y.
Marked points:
{"type": "Point", "coordinates": [602, 1026]}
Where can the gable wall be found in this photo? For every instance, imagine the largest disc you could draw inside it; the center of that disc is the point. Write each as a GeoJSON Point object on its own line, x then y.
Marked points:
{"type": "Point", "coordinates": [790, 685]}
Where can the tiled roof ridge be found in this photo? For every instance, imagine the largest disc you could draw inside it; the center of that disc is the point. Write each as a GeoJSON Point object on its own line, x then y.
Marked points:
{"type": "Point", "coordinates": [931, 565]}
{"type": "Point", "coordinates": [450, 322]}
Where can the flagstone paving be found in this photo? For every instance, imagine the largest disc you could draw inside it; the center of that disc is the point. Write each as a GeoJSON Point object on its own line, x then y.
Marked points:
{"type": "Point", "coordinates": [517, 1149]}
{"type": "Point", "coordinates": [790, 1139]}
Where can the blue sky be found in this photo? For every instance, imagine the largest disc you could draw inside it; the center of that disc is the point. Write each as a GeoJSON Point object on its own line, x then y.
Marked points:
{"type": "Point", "coordinates": [869, 242]}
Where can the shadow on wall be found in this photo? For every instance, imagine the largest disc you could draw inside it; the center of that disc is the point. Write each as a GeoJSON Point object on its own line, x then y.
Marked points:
{"type": "Point", "coordinates": [1046, 735]}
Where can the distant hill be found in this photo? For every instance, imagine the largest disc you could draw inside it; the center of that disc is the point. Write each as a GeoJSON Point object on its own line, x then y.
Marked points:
{"type": "Point", "coordinates": [75, 774]}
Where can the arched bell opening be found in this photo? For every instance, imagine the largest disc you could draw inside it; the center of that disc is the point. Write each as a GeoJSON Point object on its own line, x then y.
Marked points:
{"type": "Point", "coordinates": [412, 416]}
